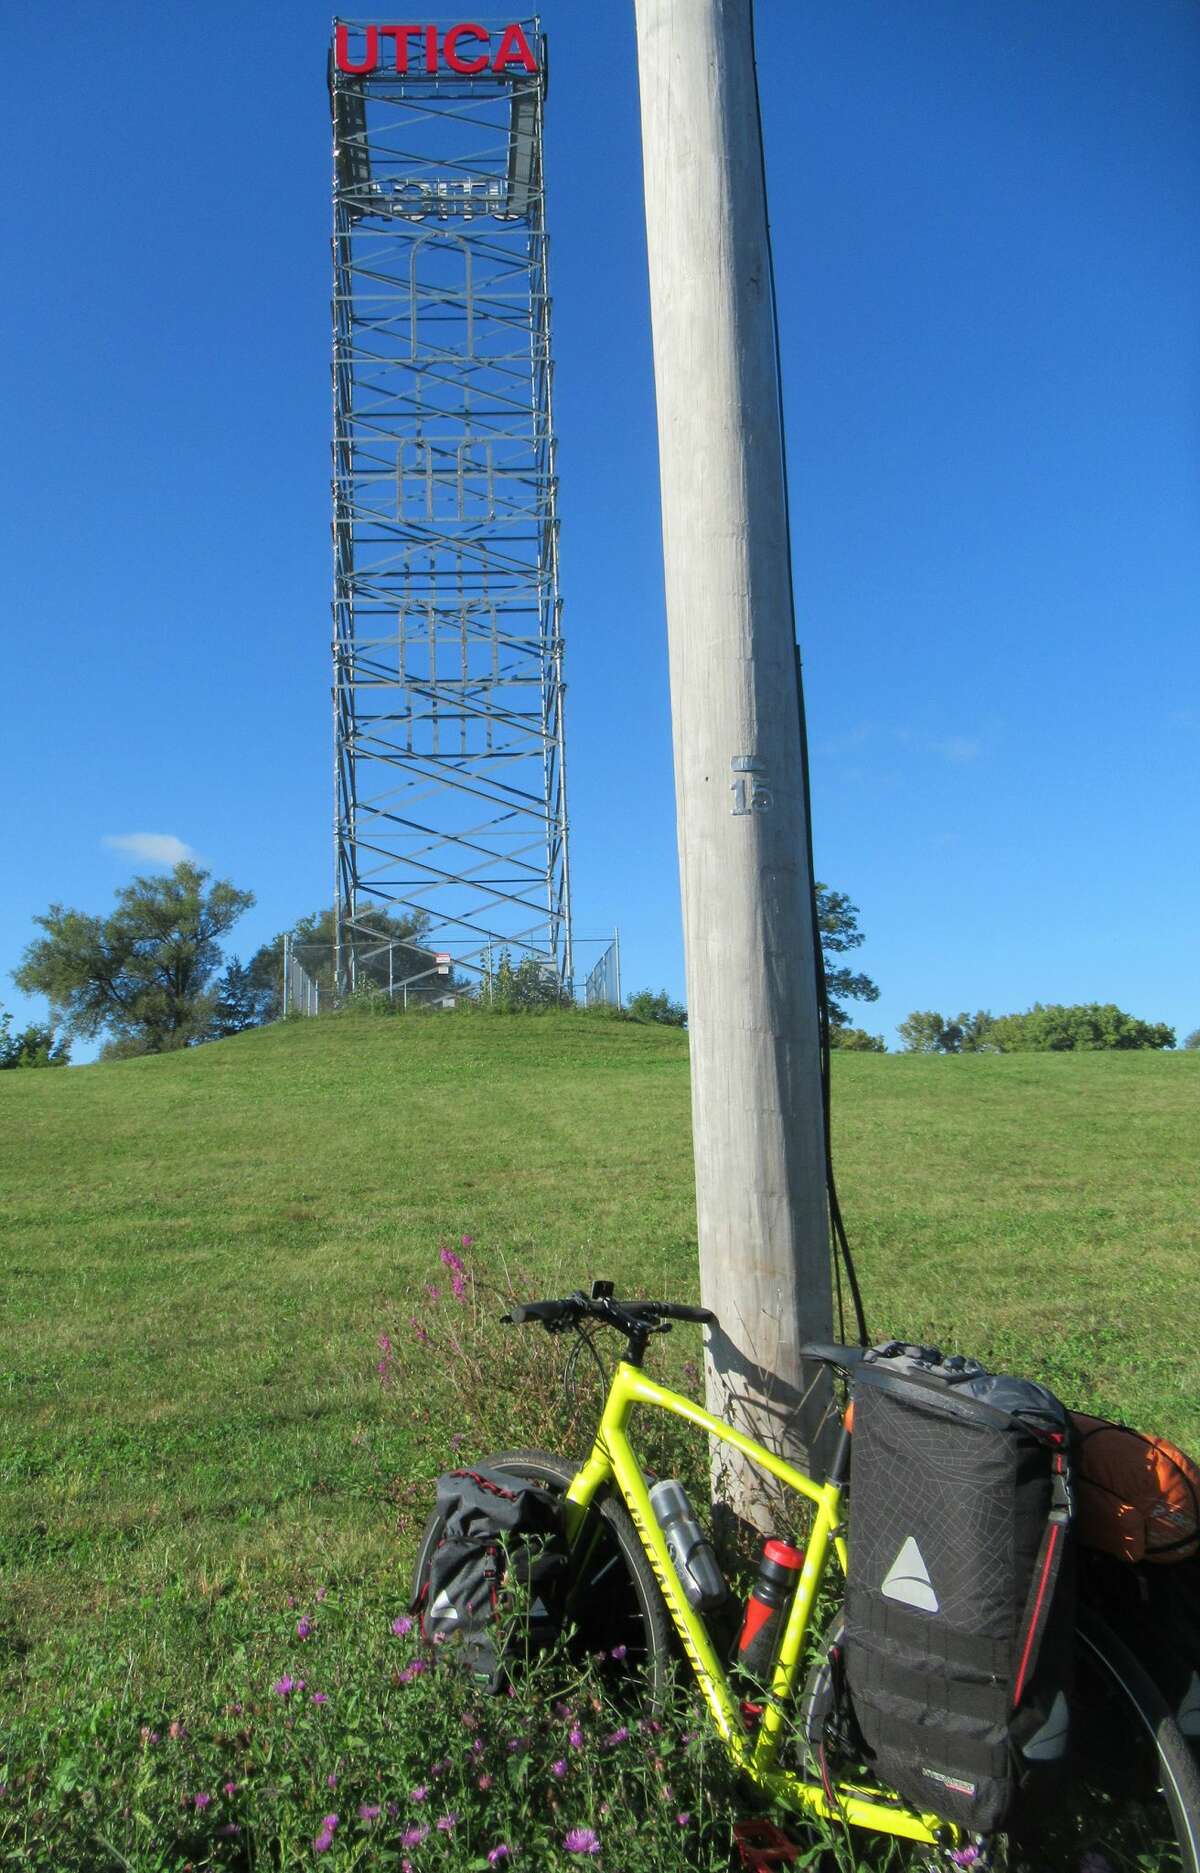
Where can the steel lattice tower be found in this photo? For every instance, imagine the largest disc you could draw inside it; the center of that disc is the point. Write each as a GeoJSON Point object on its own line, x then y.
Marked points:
{"type": "Point", "coordinates": [450, 775]}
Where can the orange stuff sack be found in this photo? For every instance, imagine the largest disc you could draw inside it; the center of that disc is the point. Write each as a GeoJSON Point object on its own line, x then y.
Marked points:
{"type": "Point", "coordinates": [1137, 1497]}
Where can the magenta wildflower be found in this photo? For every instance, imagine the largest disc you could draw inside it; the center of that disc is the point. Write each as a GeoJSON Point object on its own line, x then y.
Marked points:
{"type": "Point", "coordinates": [414, 1835]}
{"type": "Point", "coordinates": [453, 1261]}
{"type": "Point", "coordinates": [229, 1788]}
{"type": "Point", "coordinates": [304, 1627]}
{"type": "Point", "coordinates": [368, 1811]}
{"type": "Point", "coordinates": [331, 1781]}
{"type": "Point", "coordinates": [433, 1291]}
{"type": "Point", "coordinates": [477, 1748]}
{"type": "Point", "coordinates": [385, 1344]}
{"type": "Point", "coordinates": [283, 1687]}
{"type": "Point", "coordinates": [458, 1287]}
{"type": "Point", "coordinates": [619, 1735]}
{"type": "Point", "coordinates": [331, 1822]}
{"type": "Point", "coordinates": [440, 1766]}
{"type": "Point", "coordinates": [202, 1801]}
{"type": "Point", "coordinates": [559, 1769]}
{"type": "Point", "coordinates": [575, 1736]}
{"type": "Point", "coordinates": [323, 1841]}
{"type": "Point", "coordinates": [383, 1370]}
{"type": "Point", "coordinates": [402, 1627]}
{"type": "Point", "coordinates": [516, 1744]}
{"type": "Point", "coordinates": [468, 1242]}
{"type": "Point", "coordinates": [412, 1671]}
{"type": "Point", "coordinates": [447, 1823]}
{"type": "Point", "coordinates": [177, 1731]}
{"type": "Point", "coordinates": [320, 1697]}
{"type": "Point", "coordinates": [618, 1652]}
{"type": "Point", "coordinates": [420, 1793]}
{"type": "Point", "coordinates": [497, 1854]}
{"type": "Point", "coordinates": [581, 1840]}
{"type": "Point", "coordinates": [684, 1819]}
{"type": "Point", "coordinates": [419, 1330]}
{"type": "Point", "coordinates": [484, 1782]}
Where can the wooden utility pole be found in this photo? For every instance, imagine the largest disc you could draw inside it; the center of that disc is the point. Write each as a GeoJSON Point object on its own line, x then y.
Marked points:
{"type": "Point", "coordinates": [740, 798]}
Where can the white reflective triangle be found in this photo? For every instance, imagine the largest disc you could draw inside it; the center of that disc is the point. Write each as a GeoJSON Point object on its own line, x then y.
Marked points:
{"type": "Point", "coordinates": [539, 1610]}
{"type": "Point", "coordinates": [444, 1608]}
{"type": "Point", "coordinates": [907, 1579]}
{"type": "Point", "coordinates": [1050, 1741]}
{"type": "Point", "coordinates": [1188, 1714]}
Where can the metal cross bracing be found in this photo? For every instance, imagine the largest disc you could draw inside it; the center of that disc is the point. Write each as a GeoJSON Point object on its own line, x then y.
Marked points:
{"type": "Point", "coordinates": [450, 756]}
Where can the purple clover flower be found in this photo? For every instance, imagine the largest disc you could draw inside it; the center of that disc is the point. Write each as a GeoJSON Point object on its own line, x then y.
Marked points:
{"type": "Point", "coordinates": [497, 1854]}
{"type": "Point", "coordinates": [559, 1769]}
{"type": "Point", "coordinates": [414, 1835]}
{"type": "Point", "coordinates": [575, 1736]}
{"type": "Point", "coordinates": [229, 1788]}
{"type": "Point", "coordinates": [468, 1242]}
{"type": "Point", "coordinates": [453, 1262]}
{"type": "Point", "coordinates": [420, 1793]}
{"type": "Point", "coordinates": [581, 1840]}
{"type": "Point", "coordinates": [412, 1671]}
{"type": "Point", "coordinates": [402, 1626]}
{"type": "Point", "coordinates": [304, 1627]}
{"type": "Point", "coordinates": [619, 1735]}
{"type": "Point", "coordinates": [283, 1687]}
{"type": "Point", "coordinates": [447, 1823]}
{"type": "Point", "coordinates": [419, 1330]}
{"type": "Point", "coordinates": [618, 1652]}
{"type": "Point", "coordinates": [684, 1818]}
{"type": "Point", "coordinates": [369, 1811]}
{"type": "Point", "coordinates": [320, 1697]}
{"type": "Point", "coordinates": [385, 1344]}
{"type": "Point", "coordinates": [202, 1801]}
{"type": "Point", "coordinates": [331, 1781]}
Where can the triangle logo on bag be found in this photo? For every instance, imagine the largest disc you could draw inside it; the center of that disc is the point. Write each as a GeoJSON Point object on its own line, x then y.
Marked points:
{"type": "Point", "coordinates": [444, 1609]}
{"type": "Point", "coordinates": [907, 1579]}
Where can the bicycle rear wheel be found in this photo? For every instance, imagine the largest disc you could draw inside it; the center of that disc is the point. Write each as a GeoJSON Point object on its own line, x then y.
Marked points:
{"type": "Point", "coordinates": [1132, 1804]}
{"type": "Point", "coordinates": [614, 1605]}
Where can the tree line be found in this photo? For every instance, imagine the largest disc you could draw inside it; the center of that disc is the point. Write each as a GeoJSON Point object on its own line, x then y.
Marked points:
{"type": "Point", "coordinates": [152, 976]}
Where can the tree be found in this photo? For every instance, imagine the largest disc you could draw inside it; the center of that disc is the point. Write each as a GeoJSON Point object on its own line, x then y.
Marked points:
{"type": "Point", "coordinates": [242, 1000]}
{"type": "Point", "coordinates": [837, 921]}
{"type": "Point", "coordinates": [857, 1041]}
{"type": "Point", "coordinates": [35, 1046]}
{"type": "Point", "coordinates": [646, 1006]}
{"type": "Point", "coordinates": [1081, 1027]}
{"type": "Point", "coordinates": [927, 1032]}
{"type": "Point", "coordinates": [1192, 1041]}
{"type": "Point", "coordinates": [528, 987]}
{"type": "Point", "coordinates": [145, 974]}
{"type": "Point", "coordinates": [314, 944]}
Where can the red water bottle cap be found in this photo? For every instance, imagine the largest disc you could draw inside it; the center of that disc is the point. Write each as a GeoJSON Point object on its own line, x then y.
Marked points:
{"type": "Point", "coordinates": [784, 1555]}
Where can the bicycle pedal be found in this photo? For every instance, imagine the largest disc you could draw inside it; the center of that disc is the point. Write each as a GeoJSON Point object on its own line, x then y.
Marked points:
{"type": "Point", "coordinates": [763, 1846]}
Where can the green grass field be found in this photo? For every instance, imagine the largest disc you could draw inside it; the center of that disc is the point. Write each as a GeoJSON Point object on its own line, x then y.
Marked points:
{"type": "Point", "coordinates": [200, 1250]}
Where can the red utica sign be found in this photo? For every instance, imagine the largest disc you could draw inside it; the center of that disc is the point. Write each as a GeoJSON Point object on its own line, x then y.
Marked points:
{"type": "Point", "coordinates": [464, 49]}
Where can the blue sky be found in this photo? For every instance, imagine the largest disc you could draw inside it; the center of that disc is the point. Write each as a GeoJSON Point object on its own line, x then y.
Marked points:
{"type": "Point", "coordinates": [989, 276]}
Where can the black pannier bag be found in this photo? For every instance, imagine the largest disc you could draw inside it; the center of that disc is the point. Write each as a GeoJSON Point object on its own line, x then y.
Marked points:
{"type": "Point", "coordinates": [960, 1592]}
{"type": "Point", "coordinates": [497, 1577]}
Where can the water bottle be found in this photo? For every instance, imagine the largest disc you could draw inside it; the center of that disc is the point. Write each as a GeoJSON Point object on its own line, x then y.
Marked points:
{"type": "Point", "coordinates": [767, 1609]}
{"type": "Point", "coordinates": [699, 1573]}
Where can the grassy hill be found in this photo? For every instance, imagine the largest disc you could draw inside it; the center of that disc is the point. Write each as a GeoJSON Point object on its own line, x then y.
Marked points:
{"type": "Point", "coordinates": [199, 1252]}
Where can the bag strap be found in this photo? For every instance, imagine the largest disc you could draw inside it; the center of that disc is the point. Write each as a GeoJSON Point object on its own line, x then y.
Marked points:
{"type": "Point", "coordinates": [1045, 1574]}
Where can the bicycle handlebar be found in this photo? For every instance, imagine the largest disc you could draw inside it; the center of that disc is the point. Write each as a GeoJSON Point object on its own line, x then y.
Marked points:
{"type": "Point", "coordinates": [551, 1314]}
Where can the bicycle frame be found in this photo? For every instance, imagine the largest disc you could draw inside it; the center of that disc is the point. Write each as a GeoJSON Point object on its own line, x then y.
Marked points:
{"type": "Point", "coordinates": [612, 1461]}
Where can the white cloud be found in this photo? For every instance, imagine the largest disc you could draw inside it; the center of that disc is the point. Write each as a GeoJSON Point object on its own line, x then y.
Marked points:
{"type": "Point", "coordinates": [150, 848]}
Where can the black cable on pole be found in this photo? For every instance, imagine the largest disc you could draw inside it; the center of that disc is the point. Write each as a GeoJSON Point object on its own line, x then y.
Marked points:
{"type": "Point", "coordinates": [842, 1255]}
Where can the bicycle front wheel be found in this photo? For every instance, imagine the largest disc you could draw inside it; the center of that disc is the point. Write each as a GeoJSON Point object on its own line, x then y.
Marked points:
{"type": "Point", "coordinates": [614, 1608]}
{"type": "Point", "coordinates": [1132, 1803]}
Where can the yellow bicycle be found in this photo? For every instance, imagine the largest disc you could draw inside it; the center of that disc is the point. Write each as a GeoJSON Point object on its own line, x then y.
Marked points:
{"type": "Point", "coordinates": [1134, 1797]}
